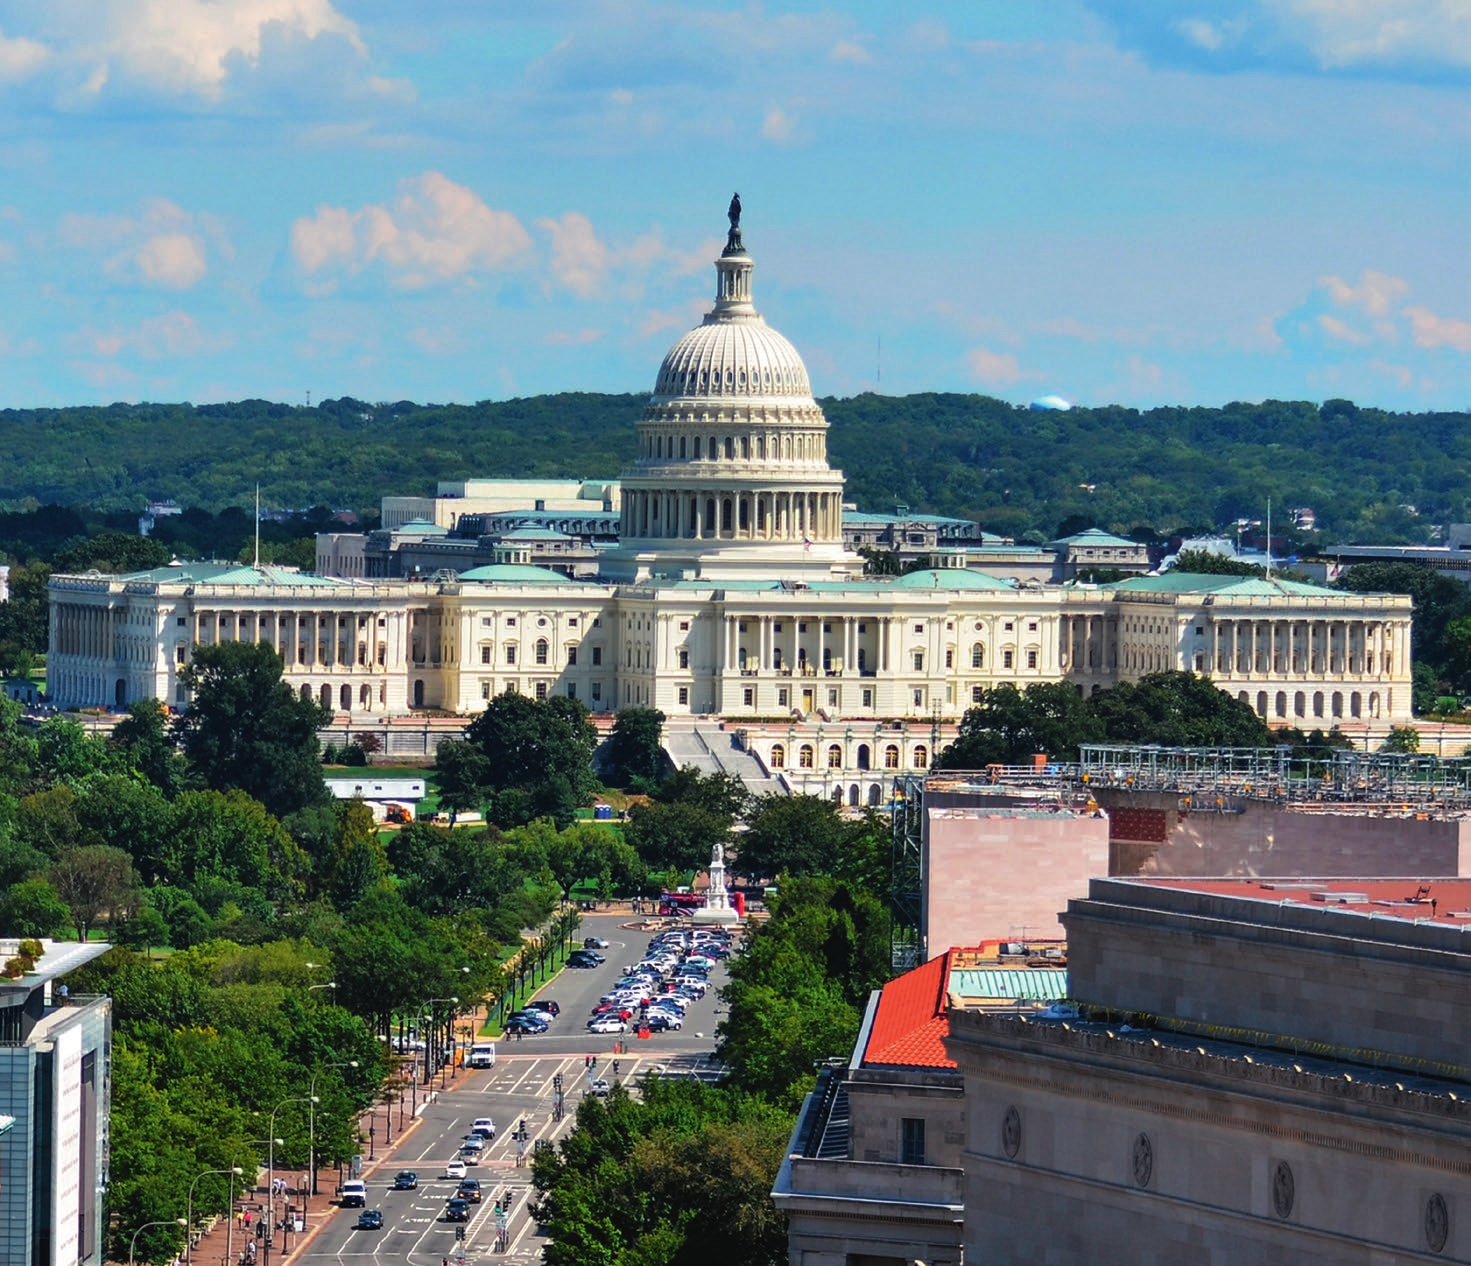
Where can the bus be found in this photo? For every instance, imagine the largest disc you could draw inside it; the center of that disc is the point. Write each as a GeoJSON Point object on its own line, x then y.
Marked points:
{"type": "Point", "coordinates": [680, 904]}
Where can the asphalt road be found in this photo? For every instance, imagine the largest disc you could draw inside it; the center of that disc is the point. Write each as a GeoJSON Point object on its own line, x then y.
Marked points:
{"type": "Point", "coordinates": [520, 1087]}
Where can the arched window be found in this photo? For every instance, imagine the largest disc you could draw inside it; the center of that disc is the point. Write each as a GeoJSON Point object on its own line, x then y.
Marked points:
{"type": "Point", "coordinates": [834, 757]}
{"type": "Point", "coordinates": [344, 698]}
{"type": "Point", "coordinates": [865, 761]}
{"type": "Point", "coordinates": [891, 757]}
{"type": "Point", "coordinates": [541, 650]}
{"type": "Point", "coordinates": [325, 696]}
{"type": "Point", "coordinates": [365, 697]}
{"type": "Point", "coordinates": [805, 756]}
{"type": "Point", "coordinates": [977, 656]}
{"type": "Point", "coordinates": [419, 693]}
{"type": "Point", "coordinates": [921, 757]}
{"type": "Point", "coordinates": [306, 693]}
{"type": "Point", "coordinates": [729, 449]}
{"type": "Point", "coordinates": [875, 793]}
{"type": "Point", "coordinates": [778, 756]}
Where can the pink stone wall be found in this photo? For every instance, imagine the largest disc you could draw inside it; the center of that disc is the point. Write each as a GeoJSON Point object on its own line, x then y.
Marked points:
{"type": "Point", "coordinates": [998, 874]}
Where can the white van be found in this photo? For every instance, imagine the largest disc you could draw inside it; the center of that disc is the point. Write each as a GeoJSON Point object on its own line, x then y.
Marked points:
{"type": "Point", "coordinates": [482, 1055]}
{"type": "Point", "coordinates": [354, 1194]}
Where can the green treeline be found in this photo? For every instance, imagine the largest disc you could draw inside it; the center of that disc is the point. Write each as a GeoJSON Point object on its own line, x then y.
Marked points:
{"type": "Point", "coordinates": [1370, 475]}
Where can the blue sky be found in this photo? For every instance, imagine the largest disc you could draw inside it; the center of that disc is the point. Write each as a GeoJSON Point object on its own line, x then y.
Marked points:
{"type": "Point", "coordinates": [1120, 202]}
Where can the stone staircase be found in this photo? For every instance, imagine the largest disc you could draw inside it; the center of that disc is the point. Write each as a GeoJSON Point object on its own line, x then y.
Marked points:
{"type": "Point", "coordinates": [711, 750]}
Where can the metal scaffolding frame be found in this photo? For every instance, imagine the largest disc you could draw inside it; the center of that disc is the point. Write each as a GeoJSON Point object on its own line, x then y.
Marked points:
{"type": "Point", "coordinates": [906, 872]}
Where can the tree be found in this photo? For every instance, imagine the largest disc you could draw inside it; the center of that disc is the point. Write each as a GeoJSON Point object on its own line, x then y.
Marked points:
{"type": "Point", "coordinates": [636, 748]}
{"type": "Point", "coordinates": [33, 908]}
{"type": "Point", "coordinates": [1203, 562]}
{"type": "Point", "coordinates": [1176, 709]}
{"type": "Point", "coordinates": [1008, 726]}
{"type": "Point", "coordinates": [464, 776]}
{"type": "Point", "coordinates": [247, 729]}
{"type": "Point", "coordinates": [143, 736]}
{"type": "Point", "coordinates": [674, 837]}
{"type": "Point", "coordinates": [1402, 738]}
{"type": "Point", "coordinates": [539, 749]}
{"type": "Point", "coordinates": [796, 835]}
{"type": "Point", "coordinates": [1438, 600]}
{"type": "Point", "coordinates": [721, 795]}
{"type": "Point", "coordinates": [93, 880]}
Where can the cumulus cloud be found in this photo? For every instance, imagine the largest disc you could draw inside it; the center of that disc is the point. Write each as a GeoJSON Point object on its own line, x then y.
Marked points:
{"type": "Point", "coordinates": [1342, 33]}
{"type": "Point", "coordinates": [1376, 292]}
{"type": "Point", "coordinates": [995, 369]}
{"type": "Point", "coordinates": [162, 246]}
{"type": "Point", "coordinates": [183, 45]}
{"type": "Point", "coordinates": [1430, 330]}
{"type": "Point", "coordinates": [170, 336]}
{"type": "Point", "coordinates": [579, 260]}
{"type": "Point", "coordinates": [777, 125]}
{"type": "Point", "coordinates": [851, 51]}
{"type": "Point", "coordinates": [1340, 330]}
{"type": "Point", "coordinates": [572, 338]}
{"type": "Point", "coordinates": [435, 231]}
{"type": "Point", "coordinates": [20, 56]}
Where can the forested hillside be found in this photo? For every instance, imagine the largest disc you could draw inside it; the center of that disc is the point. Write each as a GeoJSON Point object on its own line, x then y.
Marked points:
{"type": "Point", "coordinates": [1369, 475]}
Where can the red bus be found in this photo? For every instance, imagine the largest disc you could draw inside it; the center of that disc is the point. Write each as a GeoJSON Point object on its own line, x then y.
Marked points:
{"type": "Point", "coordinates": [680, 903]}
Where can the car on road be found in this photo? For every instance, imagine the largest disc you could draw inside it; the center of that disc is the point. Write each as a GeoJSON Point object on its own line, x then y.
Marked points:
{"type": "Point", "coordinates": [484, 1127]}
{"type": "Point", "coordinates": [609, 1023]}
{"type": "Point", "coordinates": [455, 1169]}
{"type": "Point", "coordinates": [600, 1088]}
{"type": "Point", "coordinates": [469, 1190]}
{"type": "Point", "coordinates": [549, 1005]}
{"type": "Point", "coordinates": [406, 1180]}
{"type": "Point", "coordinates": [354, 1194]}
{"type": "Point", "coordinates": [594, 942]}
{"type": "Point", "coordinates": [584, 961]}
{"type": "Point", "coordinates": [457, 1210]}
{"type": "Point", "coordinates": [369, 1220]}
{"type": "Point", "coordinates": [525, 1024]}
{"type": "Point", "coordinates": [472, 1143]}
{"type": "Point", "coordinates": [662, 1021]}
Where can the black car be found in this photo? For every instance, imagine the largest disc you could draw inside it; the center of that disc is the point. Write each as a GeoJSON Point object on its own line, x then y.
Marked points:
{"type": "Point", "coordinates": [457, 1210]}
{"type": "Point", "coordinates": [370, 1220]}
{"type": "Point", "coordinates": [659, 1023]}
{"type": "Point", "coordinates": [547, 1004]}
{"type": "Point", "coordinates": [469, 1190]}
{"type": "Point", "coordinates": [525, 1024]}
{"type": "Point", "coordinates": [406, 1180]}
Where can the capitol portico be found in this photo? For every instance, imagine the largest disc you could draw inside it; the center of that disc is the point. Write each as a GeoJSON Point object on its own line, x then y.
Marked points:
{"type": "Point", "coordinates": [730, 593]}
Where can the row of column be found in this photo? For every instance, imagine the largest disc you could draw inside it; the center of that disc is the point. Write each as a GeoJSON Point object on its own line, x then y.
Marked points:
{"type": "Point", "coordinates": [1315, 648]}
{"type": "Point", "coordinates": [732, 516]}
{"type": "Point", "coordinates": [801, 446]}
{"type": "Point", "coordinates": [838, 651]}
{"type": "Point", "coordinates": [313, 638]}
{"type": "Point", "coordinates": [83, 630]}
{"type": "Point", "coordinates": [1088, 644]}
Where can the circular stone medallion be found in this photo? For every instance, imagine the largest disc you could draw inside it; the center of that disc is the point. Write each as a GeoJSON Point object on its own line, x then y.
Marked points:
{"type": "Point", "coordinates": [1011, 1133]}
{"type": "Point", "coordinates": [1143, 1160]}
{"type": "Point", "coordinates": [1437, 1223]}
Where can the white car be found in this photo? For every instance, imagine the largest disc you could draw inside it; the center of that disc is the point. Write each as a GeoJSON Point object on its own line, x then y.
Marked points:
{"type": "Point", "coordinates": [484, 1127]}
{"type": "Point", "coordinates": [605, 1024]}
{"type": "Point", "coordinates": [455, 1169]}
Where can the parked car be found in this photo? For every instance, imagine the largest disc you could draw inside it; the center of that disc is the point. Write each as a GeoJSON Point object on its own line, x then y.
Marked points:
{"type": "Point", "coordinates": [457, 1210]}
{"type": "Point", "coordinates": [661, 1021]}
{"type": "Point", "coordinates": [545, 1004]}
{"type": "Point", "coordinates": [406, 1180]}
{"type": "Point", "coordinates": [525, 1024]}
{"type": "Point", "coordinates": [484, 1127]}
{"type": "Point", "coordinates": [369, 1220]}
{"type": "Point", "coordinates": [455, 1169]}
{"type": "Point", "coordinates": [610, 1023]}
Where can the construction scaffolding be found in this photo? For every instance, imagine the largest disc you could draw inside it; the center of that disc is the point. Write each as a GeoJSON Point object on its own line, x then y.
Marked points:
{"type": "Point", "coordinates": [906, 872]}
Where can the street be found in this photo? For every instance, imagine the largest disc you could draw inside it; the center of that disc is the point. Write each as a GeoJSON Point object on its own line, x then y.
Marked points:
{"type": "Point", "coordinates": [521, 1087]}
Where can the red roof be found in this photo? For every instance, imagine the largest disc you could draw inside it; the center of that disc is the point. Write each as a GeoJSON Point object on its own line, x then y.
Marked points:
{"type": "Point", "coordinates": [911, 1024]}
{"type": "Point", "coordinates": [1444, 900]}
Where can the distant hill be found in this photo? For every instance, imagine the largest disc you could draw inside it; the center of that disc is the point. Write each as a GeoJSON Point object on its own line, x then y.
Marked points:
{"type": "Point", "coordinates": [1368, 475]}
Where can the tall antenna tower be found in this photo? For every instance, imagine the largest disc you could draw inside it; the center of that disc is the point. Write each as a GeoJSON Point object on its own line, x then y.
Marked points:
{"type": "Point", "coordinates": [257, 526]}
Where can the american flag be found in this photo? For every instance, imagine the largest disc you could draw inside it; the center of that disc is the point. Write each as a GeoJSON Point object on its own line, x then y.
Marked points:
{"type": "Point", "coordinates": [807, 543]}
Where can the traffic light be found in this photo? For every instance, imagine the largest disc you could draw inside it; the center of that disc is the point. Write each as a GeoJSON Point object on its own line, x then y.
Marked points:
{"type": "Point", "coordinates": [459, 1233]}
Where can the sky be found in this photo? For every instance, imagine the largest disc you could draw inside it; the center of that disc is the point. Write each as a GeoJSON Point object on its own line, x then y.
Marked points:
{"type": "Point", "coordinates": [1135, 202]}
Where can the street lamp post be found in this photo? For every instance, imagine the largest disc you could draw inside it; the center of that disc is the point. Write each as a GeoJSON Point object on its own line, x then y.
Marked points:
{"type": "Point", "coordinates": [311, 1154]}
{"type": "Point", "coordinates": [133, 1247]}
{"type": "Point", "coordinates": [188, 1246]}
{"type": "Point", "coordinates": [271, 1169]}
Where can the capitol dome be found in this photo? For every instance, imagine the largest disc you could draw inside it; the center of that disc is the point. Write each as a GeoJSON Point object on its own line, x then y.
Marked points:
{"type": "Point", "coordinates": [731, 479]}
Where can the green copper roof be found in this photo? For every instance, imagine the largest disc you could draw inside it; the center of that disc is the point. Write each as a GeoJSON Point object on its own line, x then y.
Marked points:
{"type": "Point", "coordinates": [950, 578]}
{"type": "Point", "coordinates": [515, 574]}
{"type": "Point", "coordinates": [1096, 536]}
{"type": "Point", "coordinates": [218, 573]}
{"type": "Point", "coordinates": [1238, 586]}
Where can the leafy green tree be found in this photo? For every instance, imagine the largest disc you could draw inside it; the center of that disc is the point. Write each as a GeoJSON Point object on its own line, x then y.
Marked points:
{"type": "Point", "coordinates": [93, 880]}
{"type": "Point", "coordinates": [33, 908]}
{"type": "Point", "coordinates": [144, 929]}
{"type": "Point", "coordinates": [229, 838]}
{"type": "Point", "coordinates": [1439, 600]}
{"type": "Point", "coordinates": [1202, 562]}
{"type": "Point", "coordinates": [674, 837]}
{"type": "Point", "coordinates": [112, 552]}
{"type": "Point", "coordinates": [1402, 738]}
{"type": "Point", "coordinates": [722, 795]}
{"type": "Point", "coordinates": [1176, 709]}
{"type": "Point", "coordinates": [143, 736]}
{"type": "Point", "coordinates": [537, 758]}
{"type": "Point", "coordinates": [124, 811]}
{"type": "Point", "coordinates": [1008, 726]}
{"type": "Point", "coordinates": [797, 835]}
{"type": "Point", "coordinates": [188, 924]}
{"type": "Point", "coordinates": [247, 729]}
{"type": "Point", "coordinates": [636, 746]}
{"type": "Point", "coordinates": [17, 750]}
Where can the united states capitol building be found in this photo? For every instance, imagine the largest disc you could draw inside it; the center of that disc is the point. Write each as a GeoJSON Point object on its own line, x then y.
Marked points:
{"type": "Point", "coordinates": [730, 592]}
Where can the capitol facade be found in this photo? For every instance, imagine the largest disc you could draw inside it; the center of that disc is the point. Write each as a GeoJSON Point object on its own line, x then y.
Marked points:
{"type": "Point", "coordinates": [730, 594]}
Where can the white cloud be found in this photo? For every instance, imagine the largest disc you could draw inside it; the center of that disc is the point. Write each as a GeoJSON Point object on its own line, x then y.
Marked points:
{"type": "Point", "coordinates": [20, 56]}
{"type": "Point", "coordinates": [1343, 33]}
{"type": "Point", "coordinates": [1340, 330]}
{"type": "Point", "coordinates": [851, 51]}
{"type": "Point", "coordinates": [434, 231]}
{"type": "Point", "coordinates": [994, 369]}
{"type": "Point", "coordinates": [1376, 292]}
{"type": "Point", "coordinates": [777, 125]}
{"type": "Point", "coordinates": [572, 338]}
{"type": "Point", "coordinates": [171, 336]}
{"type": "Point", "coordinates": [1203, 34]}
{"type": "Point", "coordinates": [184, 45]}
{"type": "Point", "coordinates": [162, 246]}
{"type": "Point", "coordinates": [579, 260]}
{"type": "Point", "coordinates": [1430, 330]}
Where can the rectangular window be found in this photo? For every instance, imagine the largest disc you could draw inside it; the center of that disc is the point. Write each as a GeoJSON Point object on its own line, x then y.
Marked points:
{"type": "Point", "coordinates": [571, 690]}
{"type": "Point", "coordinates": [181, 652]}
{"type": "Point", "coordinates": [180, 622]}
{"type": "Point", "coordinates": [572, 657]}
{"type": "Point", "coordinates": [1007, 626]}
{"type": "Point", "coordinates": [684, 626]}
{"type": "Point", "coordinates": [1032, 627]}
{"type": "Point", "coordinates": [919, 628]}
{"type": "Point", "coordinates": [802, 627]}
{"type": "Point", "coordinates": [597, 692]}
{"type": "Point", "coordinates": [975, 693]}
{"type": "Point", "coordinates": [827, 626]}
{"type": "Point", "coordinates": [862, 627]}
{"type": "Point", "coordinates": [684, 696]}
{"type": "Point", "coordinates": [741, 626]}
{"type": "Point", "coordinates": [832, 698]}
{"type": "Point", "coordinates": [541, 691]}
{"type": "Point", "coordinates": [868, 698]}
{"type": "Point", "coordinates": [911, 1141]}
{"type": "Point", "coordinates": [684, 659]}
{"type": "Point", "coordinates": [748, 697]}
{"type": "Point", "coordinates": [776, 628]}
{"type": "Point", "coordinates": [597, 656]}
{"type": "Point", "coordinates": [918, 661]}
{"type": "Point", "coordinates": [1006, 658]}
{"type": "Point", "coordinates": [1031, 659]}
{"type": "Point", "coordinates": [597, 621]}
{"type": "Point", "coordinates": [485, 690]}
{"type": "Point", "coordinates": [510, 621]}
{"type": "Point", "coordinates": [510, 654]}
{"type": "Point", "coordinates": [485, 622]}
{"type": "Point", "coordinates": [949, 659]}
{"type": "Point", "coordinates": [571, 621]}
{"type": "Point", "coordinates": [781, 698]}
{"type": "Point", "coordinates": [919, 698]}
